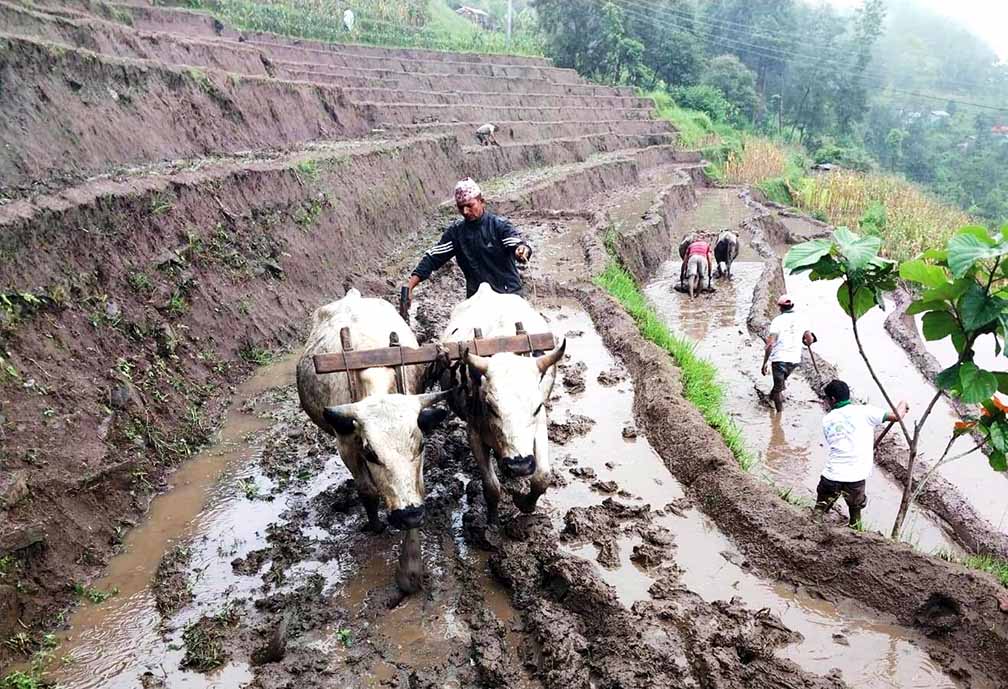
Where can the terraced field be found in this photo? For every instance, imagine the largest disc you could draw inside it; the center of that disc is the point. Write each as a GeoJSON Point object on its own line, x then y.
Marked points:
{"type": "Point", "coordinates": [178, 196]}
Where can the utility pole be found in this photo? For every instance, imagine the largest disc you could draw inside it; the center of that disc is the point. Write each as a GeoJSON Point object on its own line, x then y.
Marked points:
{"type": "Point", "coordinates": [510, 13]}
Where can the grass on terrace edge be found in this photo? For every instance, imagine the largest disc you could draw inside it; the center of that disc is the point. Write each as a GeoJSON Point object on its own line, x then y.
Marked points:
{"type": "Point", "coordinates": [700, 377]}
{"type": "Point", "coordinates": [984, 563]}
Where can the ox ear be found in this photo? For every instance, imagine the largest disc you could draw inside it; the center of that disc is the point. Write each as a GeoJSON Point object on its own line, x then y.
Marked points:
{"type": "Point", "coordinates": [431, 418]}
{"type": "Point", "coordinates": [340, 418]}
{"type": "Point", "coordinates": [550, 358]}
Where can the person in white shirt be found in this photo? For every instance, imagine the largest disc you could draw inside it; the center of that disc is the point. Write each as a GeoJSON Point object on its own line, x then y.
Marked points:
{"type": "Point", "coordinates": [849, 430]}
{"type": "Point", "coordinates": [784, 347]}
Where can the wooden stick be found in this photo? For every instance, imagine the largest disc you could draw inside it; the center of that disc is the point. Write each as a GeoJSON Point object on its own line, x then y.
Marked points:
{"type": "Point", "coordinates": [884, 431]}
{"type": "Point", "coordinates": [347, 345]}
{"type": "Point", "coordinates": [400, 379]}
{"type": "Point", "coordinates": [404, 303]}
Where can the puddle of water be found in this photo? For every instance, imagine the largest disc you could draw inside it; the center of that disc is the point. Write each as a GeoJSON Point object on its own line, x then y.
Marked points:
{"type": "Point", "coordinates": [112, 643]}
{"type": "Point", "coordinates": [877, 654]}
{"type": "Point", "coordinates": [873, 654]}
{"type": "Point", "coordinates": [790, 445]}
{"type": "Point", "coordinates": [972, 475]}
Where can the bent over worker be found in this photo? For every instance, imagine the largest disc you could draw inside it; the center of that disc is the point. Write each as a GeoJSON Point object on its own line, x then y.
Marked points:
{"type": "Point", "coordinates": [784, 347]}
{"type": "Point", "coordinates": [849, 430]}
{"type": "Point", "coordinates": [697, 265]}
{"type": "Point", "coordinates": [485, 246]}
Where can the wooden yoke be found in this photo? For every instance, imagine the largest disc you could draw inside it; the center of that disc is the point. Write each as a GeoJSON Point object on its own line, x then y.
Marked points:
{"type": "Point", "coordinates": [347, 345]}
{"type": "Point", "coordinates": [520, 330]}
{"type": "Point", "coordinates": [400, 374]}
{"type": "Point", "coordinates": [397, 356]}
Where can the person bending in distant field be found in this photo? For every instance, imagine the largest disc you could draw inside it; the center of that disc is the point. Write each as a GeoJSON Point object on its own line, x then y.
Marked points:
{"type": "Point", "coordinates": [783, 349]}
{"type": "Point", "coordinates": [486, 135]}
{"type": "Point", "coordinates": [697, 265]}
{"type": "Point", "coordinates": [484, 245]}
{"type": "Point", "coordinates": [849, 430]}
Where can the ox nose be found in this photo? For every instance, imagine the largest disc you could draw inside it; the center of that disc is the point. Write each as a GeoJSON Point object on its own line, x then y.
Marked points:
{"type": "Point", "coordinates": [407, 518]}
{"type": "Point", "coordinates": [520, 466]}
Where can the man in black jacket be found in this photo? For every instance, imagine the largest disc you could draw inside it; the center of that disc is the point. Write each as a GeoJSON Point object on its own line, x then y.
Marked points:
{"type": "Point", "coordinates": [484, 245]}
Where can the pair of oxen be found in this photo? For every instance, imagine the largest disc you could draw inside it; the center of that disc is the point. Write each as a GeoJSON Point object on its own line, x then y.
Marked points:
{"type": "Point", "coordinates": [380, 435]}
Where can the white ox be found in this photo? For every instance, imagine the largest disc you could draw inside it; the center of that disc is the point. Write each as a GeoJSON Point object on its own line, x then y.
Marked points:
{"type": "Point", "coordinates": [505, 395]}
{"type": "Point", "coordinates": [380, 436]}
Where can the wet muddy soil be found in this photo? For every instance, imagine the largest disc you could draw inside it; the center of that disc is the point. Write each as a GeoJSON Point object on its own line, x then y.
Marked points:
{"type": "Point", "coordinates": [618, 580]}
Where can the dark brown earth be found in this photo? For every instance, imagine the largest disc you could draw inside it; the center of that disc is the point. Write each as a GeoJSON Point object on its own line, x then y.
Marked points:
{"type": "Point", "coordinates": [141, 298]}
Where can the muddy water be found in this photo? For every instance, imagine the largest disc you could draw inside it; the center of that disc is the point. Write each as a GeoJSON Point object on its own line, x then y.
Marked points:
{"type": "Point", "coordinates": [971, 475]}
{"type": "Point", "coordinates": [872, 652]}
{"type": "Point", "coordinates": [789, 445]}
{"type": "Point", "coordinates": [717, 209]}
{"type": "Point", "coordinates": [112, 643]}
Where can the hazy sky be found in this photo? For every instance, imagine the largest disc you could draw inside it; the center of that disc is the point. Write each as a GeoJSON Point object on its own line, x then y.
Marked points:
{"type": "Point", "coordinates": [986, 18]}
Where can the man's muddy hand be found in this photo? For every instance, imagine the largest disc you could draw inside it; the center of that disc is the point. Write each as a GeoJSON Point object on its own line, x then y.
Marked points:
{"type": "Point", "coordinates": [522, 253]}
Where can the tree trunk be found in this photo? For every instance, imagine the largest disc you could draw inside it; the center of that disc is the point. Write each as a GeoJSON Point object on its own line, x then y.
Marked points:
{"type": "Point", "coordinates": [907, 493]}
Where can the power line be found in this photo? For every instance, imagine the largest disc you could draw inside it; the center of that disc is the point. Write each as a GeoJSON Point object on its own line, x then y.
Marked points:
{"type": "Point", "coordinates": [838, 68]}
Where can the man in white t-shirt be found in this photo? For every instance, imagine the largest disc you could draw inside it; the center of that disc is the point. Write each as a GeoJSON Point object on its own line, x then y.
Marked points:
{"type": "Point", "coordinates": [849, 430]}
{"type": "Point", "coordinates": [784, 347]}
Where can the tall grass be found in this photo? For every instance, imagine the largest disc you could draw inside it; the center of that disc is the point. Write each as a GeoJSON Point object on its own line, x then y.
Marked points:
{"type": "Point", "coordinates": [914, 220]}
{"type": "Point", "coordinates": [758, 160]}
{"type": "Point", "coordinates": [401, 23]}
{"type": "Point", "coordinates": [700, 377]}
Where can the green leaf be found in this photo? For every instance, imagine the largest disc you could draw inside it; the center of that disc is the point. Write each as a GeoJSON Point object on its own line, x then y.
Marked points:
{"type": "Point", "coordinates": [935, 255]}
{"type": "Point", "coordinates": [858, 251]}
{"type": "Point", "coordinates": [979, 232]}
{"type": "Point", "coordinates": [864, 300]}
{"type": "Point", "coordinates": [949, 378]}
{"type": "Point", "coordinates": [938, 325]}
{"type": "Point", "coordinates": [976, 384]}
{"type": "Point", "coordinates": [959, 341]}
{"type": "Point", "coordinates": [920, 306]}
{"type": "Point", "coordinates": [826, 268]}
{"type": "Point", "coordinates": [921, 272]}
{"type": "Point", "coordinates": [999, 437]}
{"type": "Point", "coordinates": [950, 291]}
{"type": "Point", "coordinates": [998, 461]}
{"type": "Point", "coordinates": [1002, 381]}
{"type": "Point", "coordinates": [968, 246]}
{"type": "Point", "coordinates": [806, 254]}
{"type": "Point", "coordinates": [978, 309]}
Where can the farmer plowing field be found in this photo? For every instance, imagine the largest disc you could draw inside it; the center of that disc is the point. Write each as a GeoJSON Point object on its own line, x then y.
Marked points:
{"type": "Point", "coordinates": [486, 246]}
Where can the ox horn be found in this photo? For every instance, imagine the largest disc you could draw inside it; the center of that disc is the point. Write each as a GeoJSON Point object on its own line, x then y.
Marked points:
{"type": "Point", "coordinates": [546, 360]}
{"type": "Point", "coordinates": [341, 418]}
{"type": "Point", "coordinates": [429, 399]}
{"type": "Point", "coordinates": [477, 362]}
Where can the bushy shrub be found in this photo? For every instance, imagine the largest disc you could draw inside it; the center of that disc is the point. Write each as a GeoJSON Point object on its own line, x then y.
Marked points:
{"type": "Point", "coordinates": [706, 99]}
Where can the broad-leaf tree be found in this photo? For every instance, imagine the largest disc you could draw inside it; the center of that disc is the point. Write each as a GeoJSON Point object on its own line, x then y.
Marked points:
{"type": "Point", "coordinates": [962, 294]}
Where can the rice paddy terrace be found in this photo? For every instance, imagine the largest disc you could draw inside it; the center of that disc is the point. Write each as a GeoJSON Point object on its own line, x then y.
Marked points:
{"type": "Point", "coordinates": [177, 196]}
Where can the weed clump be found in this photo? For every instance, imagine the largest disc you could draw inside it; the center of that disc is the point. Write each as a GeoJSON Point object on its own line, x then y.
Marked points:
{"type": "Point", "coordinates": [204, 640]}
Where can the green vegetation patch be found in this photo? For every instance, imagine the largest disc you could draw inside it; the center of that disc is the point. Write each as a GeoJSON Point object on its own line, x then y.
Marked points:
{"type": "Point", "coordinates": [205, 647]}
{"type": "Point", "coordinates": [700, 377]}
{"type": "Point", "coordinates": [984, 563]}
